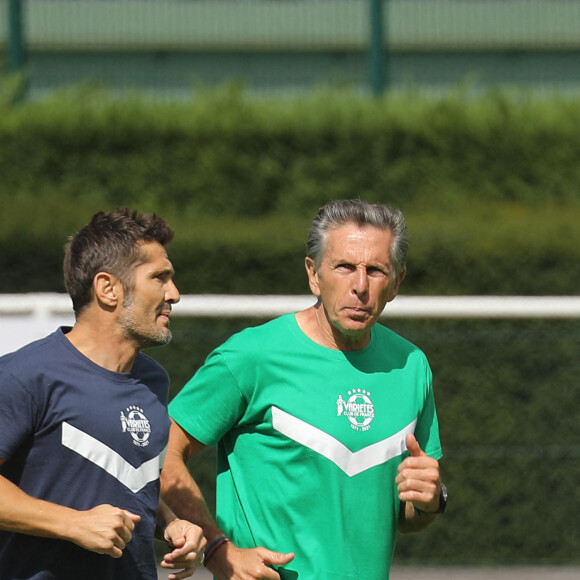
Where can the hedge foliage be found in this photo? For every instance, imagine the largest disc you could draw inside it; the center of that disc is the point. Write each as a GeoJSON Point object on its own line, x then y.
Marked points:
{"type": "Point", "coordinates": [489, 184]}
{"type": "Point", "coordinates": [506, 393]}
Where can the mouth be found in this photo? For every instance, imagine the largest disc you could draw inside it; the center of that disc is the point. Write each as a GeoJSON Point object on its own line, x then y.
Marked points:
{"type": "Point", "coordinates": [357, 313]}
{"type": "Point", "coordinates": [164, 314]}
{"type": "Point", "coordinates": [357, 309]}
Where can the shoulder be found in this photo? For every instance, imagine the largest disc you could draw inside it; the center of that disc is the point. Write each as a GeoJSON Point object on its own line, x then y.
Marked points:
{"type": "Point", "coordinates": [31, 358]}
{"type": "Point", "coordinates": [385, 334]}
{"type": "Point", "coordinates": [26, 376]}
{"type": "Point", "coordinates": [388, 340]}
{"type": "Point", "coordinates": [146, 365]}
{"type": "Point", "coordinates": [258, 337]}
{"type": "Point", "coordinates": [244, 352]}
{"type": "Point", "coordinates": [149, 371]}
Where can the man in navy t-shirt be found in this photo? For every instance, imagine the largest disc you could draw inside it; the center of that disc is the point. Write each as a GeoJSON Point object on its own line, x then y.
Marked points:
{"type": "Point", "coordinates": [83, 419]}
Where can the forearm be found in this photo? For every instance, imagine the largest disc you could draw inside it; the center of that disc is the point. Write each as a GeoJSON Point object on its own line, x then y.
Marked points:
{"type": "Point", "coordinates": [182, 494]}
{"type": "Point", "coordinates": [104, 529]}
{"type": "Point", "coordinates": [19, 512]}
{"type": "Point", "coordinates": [165, 516]}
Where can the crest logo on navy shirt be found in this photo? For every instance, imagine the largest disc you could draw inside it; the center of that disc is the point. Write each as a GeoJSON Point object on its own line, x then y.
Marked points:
{"type": "Point", "coordinates": [137, 425]}
{"type": "Point", "coordinates": [358, 408]}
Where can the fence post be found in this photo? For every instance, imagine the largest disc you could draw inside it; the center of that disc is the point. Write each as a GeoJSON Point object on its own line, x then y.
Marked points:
{"type": "Point", "coordinates": [377, 52]}
{"type": "Point", "coordinates": [16, 42]}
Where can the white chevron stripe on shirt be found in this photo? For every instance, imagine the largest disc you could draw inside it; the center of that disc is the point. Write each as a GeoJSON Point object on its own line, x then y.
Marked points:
{"type": "Point", "coordinates": [135, 478]}
{"type": "Point", "coordinates": [352, 463]}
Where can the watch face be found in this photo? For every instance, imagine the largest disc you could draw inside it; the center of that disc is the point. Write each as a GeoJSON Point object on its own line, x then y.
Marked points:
{"type": "Point", "coordinates": [443, 499]}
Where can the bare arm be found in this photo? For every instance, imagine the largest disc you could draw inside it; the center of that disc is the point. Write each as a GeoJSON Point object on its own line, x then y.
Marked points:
{"type": "Point", "coordinates": [185, 538]}
{"type": "Point", "coordinates": [419, 486]}
{"type": "Point", "coordinates": [178, 489]}
{"type": "Point", "coordinates": [182, 494]}
{"type": "Point", "coordinates": [104, 529]}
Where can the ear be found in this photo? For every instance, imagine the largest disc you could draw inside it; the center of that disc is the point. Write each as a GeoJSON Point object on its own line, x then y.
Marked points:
{"type": "Point", "coordinates": [312, 276]}
{"type": "Point", "coordinates": [395, 289]}
{"type": "Point", "coordinates": [108, 289]}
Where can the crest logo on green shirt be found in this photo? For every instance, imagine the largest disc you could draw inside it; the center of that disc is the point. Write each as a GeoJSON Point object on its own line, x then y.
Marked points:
{"type": "Point", "coordinates": [358, 408]}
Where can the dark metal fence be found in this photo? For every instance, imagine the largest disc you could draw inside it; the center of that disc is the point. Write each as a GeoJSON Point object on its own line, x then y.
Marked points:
{"type": "Point", "coordinates": [169, 48]}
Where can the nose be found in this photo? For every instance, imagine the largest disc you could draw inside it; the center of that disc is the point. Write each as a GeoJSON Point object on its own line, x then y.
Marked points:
{"type": "Point", "coordinates": [172, 293]}
{"type": "Point", "coordinates": [361, 282]}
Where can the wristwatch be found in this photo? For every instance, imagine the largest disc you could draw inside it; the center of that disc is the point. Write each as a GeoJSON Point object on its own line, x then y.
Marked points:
{"type": "Point", "coordinates": [442, 499]}
{"type": "Point", "coordinates": [442, 502]}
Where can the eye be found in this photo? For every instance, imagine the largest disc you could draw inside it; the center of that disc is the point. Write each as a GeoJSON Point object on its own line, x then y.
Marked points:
{"type": "Point", "coordinates": [376, 271]}
{"type": "Point", "coordinates": [162, 276]}
{"type": "Point", "coordinates": [344, 267]}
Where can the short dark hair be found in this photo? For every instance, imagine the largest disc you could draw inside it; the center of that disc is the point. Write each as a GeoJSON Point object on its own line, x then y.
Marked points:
{"type": "Point", "coordinates": [110, 242]}
{"type": "Point", "coordinates": [341, 212]}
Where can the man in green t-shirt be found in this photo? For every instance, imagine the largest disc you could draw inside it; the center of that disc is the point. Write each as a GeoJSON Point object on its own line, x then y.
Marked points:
{"type": "Point", "coordinates": [327, 434]}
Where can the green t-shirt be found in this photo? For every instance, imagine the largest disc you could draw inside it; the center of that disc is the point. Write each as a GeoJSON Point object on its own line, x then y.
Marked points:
{"type": "Point", "coordinates": [310, 439]}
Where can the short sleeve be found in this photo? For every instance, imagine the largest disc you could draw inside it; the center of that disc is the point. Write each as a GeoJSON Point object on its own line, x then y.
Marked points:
{"type": "Point", "coordinates": [211, 403]}
{"type": "Point", "coordinates": [427, 429]}
{"type": "Point", "coordinates": [17, 412]}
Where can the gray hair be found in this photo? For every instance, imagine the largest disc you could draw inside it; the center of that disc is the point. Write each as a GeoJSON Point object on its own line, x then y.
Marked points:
{"type": "Point", "coordinates": [338, 213]}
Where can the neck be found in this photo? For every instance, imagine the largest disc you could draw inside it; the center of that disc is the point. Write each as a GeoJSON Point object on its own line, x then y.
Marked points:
{"type": "Point", "coordinates": [104, 346]}
{"type": "Point", "coordinates": [317, 327]}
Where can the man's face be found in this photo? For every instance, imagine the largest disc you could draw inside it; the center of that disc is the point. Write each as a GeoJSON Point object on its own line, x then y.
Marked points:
{"type": "Point", "coordinates": [146, 308]}
{"type": "Point", "coordinates": [354, 282]}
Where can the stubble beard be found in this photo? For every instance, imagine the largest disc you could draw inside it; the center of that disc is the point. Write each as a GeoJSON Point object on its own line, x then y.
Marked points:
{"type": "Point", "coordinates": [142, 337]}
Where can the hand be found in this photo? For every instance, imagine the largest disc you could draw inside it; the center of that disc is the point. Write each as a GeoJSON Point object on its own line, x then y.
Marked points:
{"type": "Point", "coordinates": [418, 480]}
{"type": "Point", "coordinates": [233, 563]}
{"type": "Point", "coordinates": [104, 529]}
{"type": "Point", "coordinates": [188, 543]}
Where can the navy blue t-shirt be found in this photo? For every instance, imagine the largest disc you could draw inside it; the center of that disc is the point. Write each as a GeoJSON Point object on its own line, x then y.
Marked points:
{"type": "Point", "coordinates": [76, 434]}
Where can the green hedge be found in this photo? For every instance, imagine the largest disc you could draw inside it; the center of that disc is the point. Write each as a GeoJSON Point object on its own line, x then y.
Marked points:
{"type": "Point", "coordinates": [489, 184]}
{"type": "Point", "coordinates": [225, 154]}
{"type": "Point", "coordinates": [533, 251]}
{"type": "Point", "coordinates": [506, 393]}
